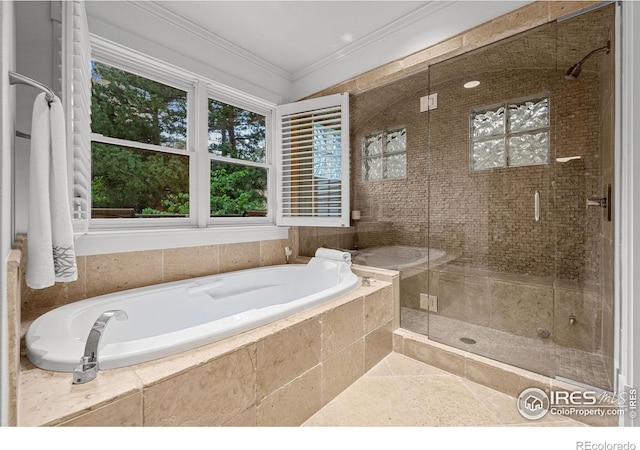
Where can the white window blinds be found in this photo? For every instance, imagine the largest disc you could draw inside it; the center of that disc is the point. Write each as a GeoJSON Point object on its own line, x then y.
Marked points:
{"type": "Point", "coordinates": [76, 92]}
{"type": "Point", "coordinates": [312, 151]}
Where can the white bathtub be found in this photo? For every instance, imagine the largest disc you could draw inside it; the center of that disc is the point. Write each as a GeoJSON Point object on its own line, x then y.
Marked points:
{"type": "Point", "coordinates": [174, 317]}
{"type": "Point", "coordinates": [397, 257]}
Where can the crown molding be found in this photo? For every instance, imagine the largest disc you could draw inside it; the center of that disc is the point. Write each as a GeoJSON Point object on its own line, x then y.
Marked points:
{"type": "Point", "coordinates": [156, 9]}
{"type": "Point", "coordinates": [397, 26]}
{"type": "Point", "coordinates": [421, 13]}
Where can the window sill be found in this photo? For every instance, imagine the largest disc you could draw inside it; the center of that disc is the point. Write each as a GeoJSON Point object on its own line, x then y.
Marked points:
{"type": "Point", "coordinates": [99, 242]}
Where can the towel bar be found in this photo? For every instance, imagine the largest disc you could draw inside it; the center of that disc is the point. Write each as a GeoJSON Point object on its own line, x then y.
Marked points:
{"type": "Point", "coordinates": [16, 78]}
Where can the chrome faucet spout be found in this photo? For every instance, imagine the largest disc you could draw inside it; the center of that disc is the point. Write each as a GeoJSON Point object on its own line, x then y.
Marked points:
{"type": "Point", "coordinates": [88, 367]}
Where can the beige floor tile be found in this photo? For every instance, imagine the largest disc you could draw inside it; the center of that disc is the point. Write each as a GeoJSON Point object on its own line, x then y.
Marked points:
{"type": "Point", "coordinates": [373, 402]}
{"type": "Point", "coordinates": [326, 417]}
{"type": "Point", "coordinates": [401, 365]}
{"type": "Point", "coordinates": [402, 392]}
{"type": "Point", "coordinates": [444, 400]}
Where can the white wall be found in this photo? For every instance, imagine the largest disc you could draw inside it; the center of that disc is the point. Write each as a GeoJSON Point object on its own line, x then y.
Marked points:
{"type": "Point", "coordinates": [628, 279]}
{"type": "Point", "coordinates": [7, 108]}
{"type": "Point", "coordinates": [35, 59]}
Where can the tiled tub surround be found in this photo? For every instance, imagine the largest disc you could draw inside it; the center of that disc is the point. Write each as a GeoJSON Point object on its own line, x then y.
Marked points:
{"type": "Point", "coordinates": [14, 283]}
{"type": "Point", "coordinates": [276, 375]}
{"type": "Point", "coordinates": [171, 318]}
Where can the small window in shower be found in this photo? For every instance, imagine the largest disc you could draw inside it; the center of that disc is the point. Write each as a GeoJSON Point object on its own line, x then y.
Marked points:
{"type": "Point", "coordinates": [384, 155]}
{"type": "Point", "coordinates": [510, 134]}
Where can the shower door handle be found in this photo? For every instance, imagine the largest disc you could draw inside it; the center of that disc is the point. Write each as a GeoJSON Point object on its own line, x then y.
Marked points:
{"type": "Point", "coordinates": [536, 206]}
{"type": "Point", "coordinates": [599, 202]}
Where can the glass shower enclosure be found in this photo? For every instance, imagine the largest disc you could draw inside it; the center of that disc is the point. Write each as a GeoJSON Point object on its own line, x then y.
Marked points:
{"type": "Point", "coordinates": [494, 204]}
{"type": "Point", "coordinates": [520, 169]}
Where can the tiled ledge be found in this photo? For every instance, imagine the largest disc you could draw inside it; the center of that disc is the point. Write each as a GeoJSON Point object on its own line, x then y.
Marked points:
{"type": "Point", "coordinates": [278, 374]}
{"type": "Point", "coordinates": [501, 377]}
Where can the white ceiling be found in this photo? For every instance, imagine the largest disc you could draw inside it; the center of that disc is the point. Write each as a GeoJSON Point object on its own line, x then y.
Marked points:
{"type": "Point", "coordinates": [287, 48]}
{"type": "Point", "coordinates": [293, 35]}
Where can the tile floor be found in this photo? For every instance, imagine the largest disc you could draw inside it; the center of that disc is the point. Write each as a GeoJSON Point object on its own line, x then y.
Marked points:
{"type": "Point", "coordinates": [402, 392]}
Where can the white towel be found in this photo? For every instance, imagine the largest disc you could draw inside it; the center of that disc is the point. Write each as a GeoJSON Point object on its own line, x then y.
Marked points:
{"type": "Point", "coordinates": [336, 255]}
{"type": "Point", "coordinates": [51, 255]}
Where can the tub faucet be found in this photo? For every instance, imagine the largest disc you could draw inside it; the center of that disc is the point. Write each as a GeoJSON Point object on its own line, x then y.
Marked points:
{"type": "Point", "coordinates": [88, 368]}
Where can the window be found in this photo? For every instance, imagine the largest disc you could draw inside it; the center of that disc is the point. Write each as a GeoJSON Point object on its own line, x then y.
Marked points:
{"type": "Point", "coordinates": [239, 172]}
{"type": "Point", "coordinates": [189, 159]}
{"type": "Point", "coordinates": [144, 151]}
{"type": "Point", "coordinates": [514, 133]}
{"type": "Point", "coordinates": [139, 158]}
{"type": "Point", "coordinates": [313, 162]}
{"type": "Point", "coordinates": [384, 155]}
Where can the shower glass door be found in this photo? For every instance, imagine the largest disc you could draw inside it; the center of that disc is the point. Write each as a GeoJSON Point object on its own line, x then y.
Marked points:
{"type": "Point", "coordinates": [515, 150]}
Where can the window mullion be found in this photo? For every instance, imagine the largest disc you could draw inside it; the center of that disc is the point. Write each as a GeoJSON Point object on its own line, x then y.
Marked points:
{"type": "Point", "coordinates": [201, 170]}
{"type": "Point", "coordinates": [272, 179]}
{"type": "Point", "coordinates": [96, 137]}
{"type": "Point", "coordinates": [240, 162]}
{"type": "Point", "coordinates": [507, 132]}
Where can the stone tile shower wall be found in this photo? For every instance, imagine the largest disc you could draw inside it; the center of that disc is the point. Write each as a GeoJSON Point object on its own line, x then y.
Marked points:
{"type": "Point", "coordinates": [484, 218]}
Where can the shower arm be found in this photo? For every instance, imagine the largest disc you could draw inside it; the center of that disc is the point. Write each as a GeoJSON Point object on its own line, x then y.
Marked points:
{"type": "Point", "coordinates": [606, 47]}
{"type": "Point", "coordinates": [575, 70]}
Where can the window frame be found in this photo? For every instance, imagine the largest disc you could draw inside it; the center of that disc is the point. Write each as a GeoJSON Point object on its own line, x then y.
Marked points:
{"type": "Point", "coordinates": [199, 89]}
{"type": "Point", "coordinates": [115, 236]}
{"type": "Point", "coordinates": [384, 154]}
{"type": "Point", "coordinates": [268, 163]}
{"type": "Point", "coordinates": [507, 133]}
{"type": "Point", "coordinates": [188, 151]}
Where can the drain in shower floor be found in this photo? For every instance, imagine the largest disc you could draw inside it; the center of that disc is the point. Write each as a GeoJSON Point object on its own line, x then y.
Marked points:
{"type": "Point", "coordinates": [467, 340]}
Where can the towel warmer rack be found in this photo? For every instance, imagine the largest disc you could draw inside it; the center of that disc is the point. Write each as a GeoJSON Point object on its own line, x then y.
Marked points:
{"type": "Point", "coordinates": [16, 78]}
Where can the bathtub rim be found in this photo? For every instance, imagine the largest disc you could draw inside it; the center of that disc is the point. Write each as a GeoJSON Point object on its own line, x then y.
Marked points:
{"type": "Point", "coordinates": [172, 343]}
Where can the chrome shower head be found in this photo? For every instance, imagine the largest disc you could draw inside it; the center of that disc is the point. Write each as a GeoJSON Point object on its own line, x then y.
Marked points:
{"type": "Point", "coordinates": [574, 71]}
